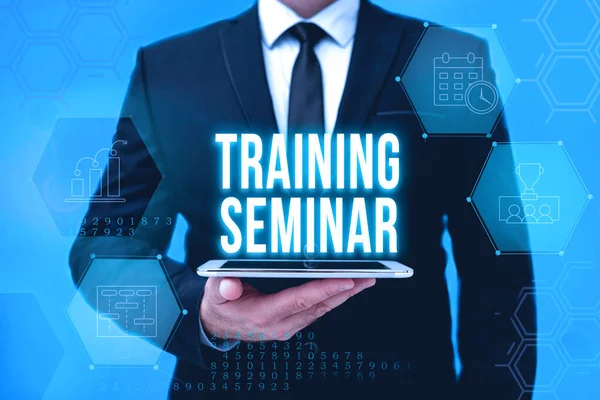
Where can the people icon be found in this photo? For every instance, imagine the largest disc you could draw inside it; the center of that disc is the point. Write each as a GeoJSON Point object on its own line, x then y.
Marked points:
{"type": "Point", "coordinates": [529, 217]}
{"type": "Point", "coordinates": [529, 207]}
{"type": "Point", "coordinates": [545, 217]}
{"type": "Point", "coordinates": [513, 215]}
{"type": "Point", "coordinates": [532, 214]}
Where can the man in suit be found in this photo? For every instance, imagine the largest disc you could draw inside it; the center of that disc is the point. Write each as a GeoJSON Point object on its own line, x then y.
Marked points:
{"type": "Point", "coordinates": [327, 66]}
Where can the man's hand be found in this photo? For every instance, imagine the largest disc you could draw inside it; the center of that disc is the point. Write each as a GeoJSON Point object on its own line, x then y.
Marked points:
{"type": "Point", "coordinates": [230, 306]}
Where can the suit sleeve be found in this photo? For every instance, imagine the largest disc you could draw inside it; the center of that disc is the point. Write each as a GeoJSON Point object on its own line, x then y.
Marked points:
{"type": "Point", "coordinates": [490, 285]}
{"type": "Point", "coordinates": [141, 159]}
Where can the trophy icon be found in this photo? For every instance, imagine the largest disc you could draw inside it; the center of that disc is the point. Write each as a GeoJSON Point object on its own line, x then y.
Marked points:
{"type": "Point", "coordinates": [529, 207]}
{"type": "Point", "coordinates": [529, 174]}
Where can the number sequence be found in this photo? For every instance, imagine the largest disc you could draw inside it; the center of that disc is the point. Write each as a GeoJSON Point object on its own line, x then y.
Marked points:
{"type": "Point", "coordinates": [120, 226]}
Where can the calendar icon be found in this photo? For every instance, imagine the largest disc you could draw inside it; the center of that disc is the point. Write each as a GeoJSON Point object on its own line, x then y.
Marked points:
{"type": "Point", "coordinates": [459, 82]}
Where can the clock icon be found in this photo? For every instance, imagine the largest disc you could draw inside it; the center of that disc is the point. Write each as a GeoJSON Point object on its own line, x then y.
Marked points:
{"type": "Point", "coordinates": [481, 97]}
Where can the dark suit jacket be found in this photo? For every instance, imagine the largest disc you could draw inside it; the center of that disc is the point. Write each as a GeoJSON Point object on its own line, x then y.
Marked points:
{"type": "Point", "coordinates": [187, 88]}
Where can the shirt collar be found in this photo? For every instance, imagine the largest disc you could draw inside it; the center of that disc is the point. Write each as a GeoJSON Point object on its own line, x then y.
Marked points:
{"type": "Point", "coordinates": [338, 20]}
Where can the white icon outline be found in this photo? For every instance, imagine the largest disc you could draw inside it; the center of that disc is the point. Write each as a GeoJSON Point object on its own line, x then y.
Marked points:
{"type": "Point", "coordinates": [95, 174]}
{"type": "Point", "coordinates": [139, 324]}
{"type": "Point", "coordinates": [529, 207]}
{"type": "Point", "coordinates": [455, 79]}
{"type": "Point", "coordinates": [491, 104]}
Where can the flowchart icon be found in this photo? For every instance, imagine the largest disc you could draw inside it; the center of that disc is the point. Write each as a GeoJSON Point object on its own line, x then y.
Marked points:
{"type": "Point", "coordinates": [125, 311]}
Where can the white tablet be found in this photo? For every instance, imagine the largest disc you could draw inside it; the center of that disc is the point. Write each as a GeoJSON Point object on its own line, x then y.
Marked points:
{"type": "Point", "coordinates": [304, 269]}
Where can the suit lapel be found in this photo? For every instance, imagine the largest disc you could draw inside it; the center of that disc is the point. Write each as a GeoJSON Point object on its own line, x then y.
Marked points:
{"type": "Point", "coordinates": [244, 61]}
{"type": "Point", "coordinates": [376, 43]}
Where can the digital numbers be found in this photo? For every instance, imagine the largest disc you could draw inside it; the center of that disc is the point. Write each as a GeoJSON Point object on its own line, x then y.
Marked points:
{"type": "Point", "coordinates": [132, 387]}
{"type": "Point", "coordinates": [278, 366]}
{"type": "Point", "coordinates": [120, 226]}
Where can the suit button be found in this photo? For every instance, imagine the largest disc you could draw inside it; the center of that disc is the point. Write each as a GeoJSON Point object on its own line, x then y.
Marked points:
{"type": "Point", "coordinates": [309, 347]}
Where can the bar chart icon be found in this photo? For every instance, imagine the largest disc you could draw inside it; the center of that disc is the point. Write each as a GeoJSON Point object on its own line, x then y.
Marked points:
{"type": "Point", "coordinates": [125, 311]}
{"type": "Point", "coordinates": [90, 184]}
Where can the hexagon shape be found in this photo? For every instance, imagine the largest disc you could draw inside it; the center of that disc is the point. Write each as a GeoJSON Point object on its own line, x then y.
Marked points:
{"type": "Point", "coordinates": [546, 378]}
{"type": "Point", "coordinates": [11, 38]}
{"type": "Point", "coordinates": [581, 340]}
{"type": "Point", "coordinates": [529, 197]}
{"type": "Point", "coordinates": [570, 23]}
{"type": "Point", "coordinates": [30, 350]}
{"type": "Point", "coordinates": [97, 37]}
{"type": "Point", "coordinates": [579, 71]}
{"type": "Point", "coordinates": [579, 287]}
{"type": "Point", "coordinates": [125, 310]}
{"type": "Point", "coordinates": [454, 84]}
{"type": "Point", "coordinates": [39, 16]}
{"type": "Point", "coordinates": [54, 77]}
{"type": "Point", "coordinates": [550, 316]}
{"type": "Point", "coordinates": [79, 156]}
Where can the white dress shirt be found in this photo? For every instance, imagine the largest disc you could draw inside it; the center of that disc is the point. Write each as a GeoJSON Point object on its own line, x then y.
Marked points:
{"type": "Point", "coordinates": [280, 51]}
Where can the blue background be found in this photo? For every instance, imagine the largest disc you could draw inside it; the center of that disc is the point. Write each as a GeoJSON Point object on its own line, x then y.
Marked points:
{"type": "Point", "coordinates": [72, 58]}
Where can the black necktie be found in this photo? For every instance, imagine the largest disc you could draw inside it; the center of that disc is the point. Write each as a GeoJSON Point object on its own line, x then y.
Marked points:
{"type": "Point", "coordinates": [305, 113]}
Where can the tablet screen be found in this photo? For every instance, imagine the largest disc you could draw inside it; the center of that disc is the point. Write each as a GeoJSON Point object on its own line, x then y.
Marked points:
{"type": "Point", "coordinates": [307, 265]}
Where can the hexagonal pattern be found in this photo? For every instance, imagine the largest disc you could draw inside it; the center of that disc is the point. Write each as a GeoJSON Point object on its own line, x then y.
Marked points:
{"type": "Point", "coordinates": [579, 287]}
{"type": "Point", "coordinates": [529, 197]}
{"type": "Point", "coordinates": [97, 37]}
{"type": "Point", "coordinates": [39, 16]}
{"type": "Point", "coordinates": [581, 340]}
{"type": "Point", "coordinates": [53, 77]}
{"type": "Point", "coordinates": [11, 37]}
{"type": "Point", "coordinates": [80, 155]}
{"type": "Point", "coordinates": [572, 29]}
{"type": "Point", "coordinates": [123, 308]}
{"type": "Point", "coordinates": [27, 363]}
{"type": "Point", "coordinates": [452, 84]}
{"type": "Point", "coordinates": [528, 50]}
{"type": "Point", "coordinates": [581, 74]}
{"type": "Point", "coordinates": [549, 322]}
{"type": "Point", "coordinates": [571, 22]}
{"type": "Point", "coordinates": [553, 366]}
